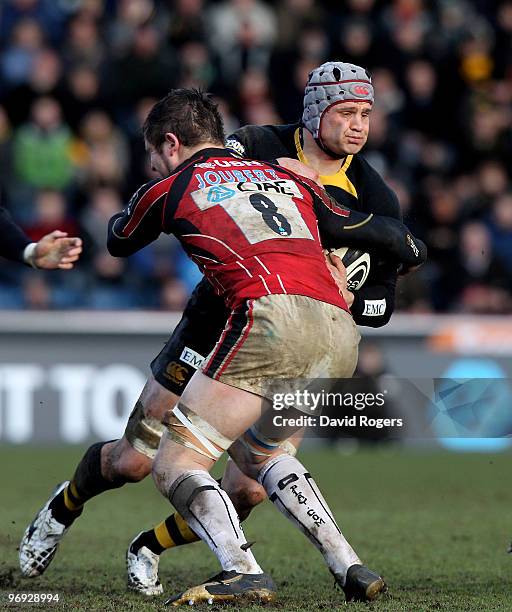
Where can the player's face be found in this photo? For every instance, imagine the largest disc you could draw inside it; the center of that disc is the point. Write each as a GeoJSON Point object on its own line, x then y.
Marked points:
{"type": "Point", "coordinates": [164, 159]}
{"type": "Point", "coordinates": [157, 160]}
{"type": "Point", "coordinates": [345, 127]}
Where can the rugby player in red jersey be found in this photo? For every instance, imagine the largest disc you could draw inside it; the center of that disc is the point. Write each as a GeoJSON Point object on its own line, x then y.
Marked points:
{"type": "Point", "coordinates": [253, 229]}
{"type": "Point", "coordinates": [109, 465]}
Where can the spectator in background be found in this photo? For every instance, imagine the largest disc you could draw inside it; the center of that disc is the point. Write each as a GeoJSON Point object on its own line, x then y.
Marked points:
{"type": "Point", "coordinates": [242, 33]}
{"type": "Point", "coordinates": [81, 94]}
{"type": "Point", "coordinates": [255, 103]}
{"type": "Point", "coordinates": [492, 181]}
{"type": "Point", "coordinates": [49, 15]}
{"type": "Point", "coordinates": [107, 153]}
{"type": "Point", "coordinates": [187, 23]}
{"type": "Point", "coordinates": [42, 148]}
{"type": "Point", "coordinates": [146, 69]}
{"type": "Point", "coordinates": [476, 281]}
{"type": "Point", "coordinates": [37, 294]}
{"type": "Point", "coordinates": [197, 68]}
{"type": "Point", "coordinates": [5, 153]}
{"type": "Point", "coordinates": [50, 212]}
{"type": "Point", "coordinates": [42, 80]}
{"type": "Point", "coordinates": [130, 15]}
{"type": "Point", "coordinates": [293, 16]}
{"type": "Point", "coordinates": [83, 43]}
{"type": "Point", "coordinates": [290, 66]}
{"type": "Point", "coordinates": [16, 60]}
{"type": "Point", "coordinates": [500, 227]}
{"type": "Point", "coordinates": [355, 42]}
{"type": "Point", "coordinates": [140, 170]}
{"type": "Point", "coordinates": [104, 202]}
{"type": "Point", "coordinates": [173, 295]}
{"type": "Point", "coordinates": [109, 284]}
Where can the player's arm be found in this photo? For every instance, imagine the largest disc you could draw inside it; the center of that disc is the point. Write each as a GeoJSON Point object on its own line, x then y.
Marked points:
{"type": "Point", "coordinates": [342, 226]}
{"type": "Point", "coordinates": [139, 224]}
{"type": "Point", "coordinates": [14, 240]}
{"type": "Point", "coordinates": [55, 250]}
{"type": "Point", "coordinates": [374, 303]}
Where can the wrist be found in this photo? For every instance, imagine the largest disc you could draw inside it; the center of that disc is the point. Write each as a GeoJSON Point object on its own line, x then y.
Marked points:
{"type": "Point", "coordinates": [349, 298]}
{"type": "Point", "coordinates": [29, 254]}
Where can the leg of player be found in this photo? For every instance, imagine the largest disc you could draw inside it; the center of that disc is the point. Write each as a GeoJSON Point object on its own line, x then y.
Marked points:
{"type": "Point", "coordinates": [203, 424]}
{"type": "Point", "coordinates": [244, 492]}
{"type": "Point", "coordinates": [295, 494]}
{"type": "Point", "coordinates": [105, 466]}
{"type": "Point", "coordinates": [144, 552]}
{"type": "Point", "coordinates": [199, 429]}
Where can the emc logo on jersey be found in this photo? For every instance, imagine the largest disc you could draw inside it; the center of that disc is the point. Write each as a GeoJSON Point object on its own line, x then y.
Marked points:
{"type": "Point", "coordinates": [218, 193]}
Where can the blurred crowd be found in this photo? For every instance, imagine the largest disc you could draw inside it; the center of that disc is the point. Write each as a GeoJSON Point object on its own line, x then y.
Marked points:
{"type": "Point", "coordinates": [77, 78]}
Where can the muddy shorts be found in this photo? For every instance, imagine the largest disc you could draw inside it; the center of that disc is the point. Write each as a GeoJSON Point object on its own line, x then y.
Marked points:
{"type": "Point", "coordinates": [283, 337]}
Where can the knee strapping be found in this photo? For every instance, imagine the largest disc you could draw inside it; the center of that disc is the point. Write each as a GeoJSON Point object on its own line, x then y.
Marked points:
{"type": "Point", "coordinates": [192, 431]}
{"type": "Point", "coordinates": [261, 446]}
{"type": "Point", "coordinates": [143, 431]}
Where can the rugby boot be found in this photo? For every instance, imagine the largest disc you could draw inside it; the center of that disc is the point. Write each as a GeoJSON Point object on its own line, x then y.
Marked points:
{"type": "Point", "coordinates": [228, 587]}
{"type": "Point", "coordinates": [362, 584]}
{"type": "Point", "coordinates": [142, 567]}
{"type": "Point", "coordinates": [41, 539]}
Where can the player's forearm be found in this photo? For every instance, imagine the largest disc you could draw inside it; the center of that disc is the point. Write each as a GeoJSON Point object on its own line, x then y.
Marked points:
{"type": "Point", "coordinates": [117, 244]}
{"type": "Point", "coordinates": [367, 231]}
{"type": "Point", "coordinates": [124, 239]}
{"type": "Point", "coordinates": [13, 240]}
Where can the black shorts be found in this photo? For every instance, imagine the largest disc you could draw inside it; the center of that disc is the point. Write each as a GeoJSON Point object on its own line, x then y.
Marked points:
{"type": "Point", "coordinates": [200, 327]}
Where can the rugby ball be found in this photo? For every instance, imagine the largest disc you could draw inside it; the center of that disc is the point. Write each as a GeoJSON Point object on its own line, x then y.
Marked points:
{"type": "Point", "coordinates": [357, 264]}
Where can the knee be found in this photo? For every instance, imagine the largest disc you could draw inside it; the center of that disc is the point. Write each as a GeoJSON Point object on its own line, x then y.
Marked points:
{"type": "Point", "coordinates": [134, 467]}
{"type": "Point", "coordinates": [246, 497]}
{"type": "Point", "coordinates": [124, 462]}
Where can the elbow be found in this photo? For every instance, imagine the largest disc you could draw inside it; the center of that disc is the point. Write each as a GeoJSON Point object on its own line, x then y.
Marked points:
{"type": "Point", "coordinates": [114, 246]}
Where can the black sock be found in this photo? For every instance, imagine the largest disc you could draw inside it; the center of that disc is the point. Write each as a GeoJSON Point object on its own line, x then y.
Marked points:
{"type": "Point", "coordinates": [87, 482]}
{"type": "Point", "coordinates": [61, 512]}
{"type": "Point", "coordinates": [147, 539]}
{"type": "Point", "coordinates": [88, 479]}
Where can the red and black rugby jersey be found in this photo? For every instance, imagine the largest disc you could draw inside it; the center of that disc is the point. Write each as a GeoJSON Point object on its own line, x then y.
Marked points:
{"type": "Point", "coordinates": [252, 227]}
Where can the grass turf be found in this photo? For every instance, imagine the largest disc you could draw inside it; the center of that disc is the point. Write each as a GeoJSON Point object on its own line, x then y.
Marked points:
{"type": "Point", "coordinates": [436, 526]}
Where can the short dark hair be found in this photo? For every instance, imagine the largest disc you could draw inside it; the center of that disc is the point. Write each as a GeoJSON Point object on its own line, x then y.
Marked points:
{"type": "Point", "coordinates": [190, 114]}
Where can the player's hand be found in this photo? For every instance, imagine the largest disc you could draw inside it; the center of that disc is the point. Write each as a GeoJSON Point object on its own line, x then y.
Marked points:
{"type": "Point", "coordinates": [299, 168]}
{"type": "Point", "coordinates": [56, 250]}
{"type": "Point", "coordinates": [339, 273]}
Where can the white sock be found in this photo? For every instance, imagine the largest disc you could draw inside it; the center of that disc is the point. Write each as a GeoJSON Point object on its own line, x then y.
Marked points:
{"type": "Point", "coordinates": [211, 514]}
{"type": "Point", "coordinates": [294, 492]}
